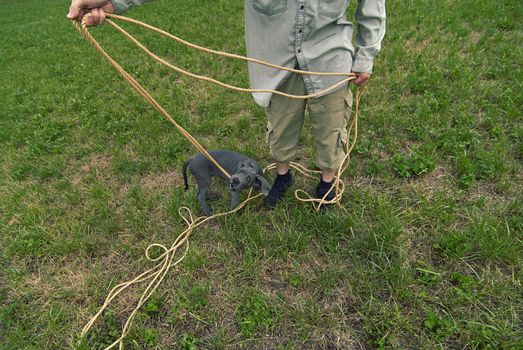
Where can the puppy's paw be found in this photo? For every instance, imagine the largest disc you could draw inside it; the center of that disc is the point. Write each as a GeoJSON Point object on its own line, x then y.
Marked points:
{"type": "Point", "coordinates": [208, 212]}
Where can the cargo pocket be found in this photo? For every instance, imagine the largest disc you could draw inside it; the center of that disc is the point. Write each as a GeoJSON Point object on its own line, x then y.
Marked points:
{"type": "Point", "coordinates": [348, 101]}
{"type": "Point", "coordinates": [269, 133]}
{"type": "Point", "coordinates": [269, 7]}
{"type": "Point", "coordinates": [343, 136]}
{"type": "Point", "coordinates": [342, 141]}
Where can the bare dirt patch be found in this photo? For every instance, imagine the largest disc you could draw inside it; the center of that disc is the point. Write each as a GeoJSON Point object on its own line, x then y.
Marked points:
{"type": "Point", "coordinates": [417, 46]}
{"type": "Point", "coordinates": [153, 182]}
{"type": "Point", "coordinates": [439, 179]}
{"type": "Point", "coordinates": [99, 163]}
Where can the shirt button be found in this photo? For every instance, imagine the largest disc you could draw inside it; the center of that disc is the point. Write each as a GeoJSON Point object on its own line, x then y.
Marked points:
{"type": "Point", "coordinates": [302, 7]}
{"type": "Point", "coordinates": [299, 50]}
{"type": "Point", "coordinates": [300, 31]}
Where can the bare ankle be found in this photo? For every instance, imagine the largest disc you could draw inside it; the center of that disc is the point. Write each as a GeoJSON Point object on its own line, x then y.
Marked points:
{"type": "Point", "coordinates": [327, 175]}
{"type": "Point", "coordinates": [282, 168]}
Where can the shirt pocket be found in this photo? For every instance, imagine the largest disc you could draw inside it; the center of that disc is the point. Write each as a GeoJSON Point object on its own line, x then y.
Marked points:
{"type": "Point", "coordinates": [331, 8]}
{"type": "Point", "coordinates": [269, 7]}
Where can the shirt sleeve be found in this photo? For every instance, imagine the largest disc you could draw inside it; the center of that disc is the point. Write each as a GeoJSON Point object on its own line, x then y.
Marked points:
{"type": "Point", "coordinates": [370, 17]}
{"type": "Point", "coordinates": [121, 6]}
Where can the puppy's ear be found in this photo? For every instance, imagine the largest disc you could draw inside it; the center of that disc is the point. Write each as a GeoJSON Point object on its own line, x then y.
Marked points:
{"type": "Point", "coordinates": [265, 187]}
{"type": "Point", "coordinates": [249, 163]}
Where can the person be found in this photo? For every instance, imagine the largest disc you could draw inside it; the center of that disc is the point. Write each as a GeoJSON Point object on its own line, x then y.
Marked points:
{"type": "Point", "coordinates": [309, 35]}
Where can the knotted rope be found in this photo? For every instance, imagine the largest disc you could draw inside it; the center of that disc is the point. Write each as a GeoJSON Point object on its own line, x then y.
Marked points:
{"type": "Point", "coordinates": [166, 260]}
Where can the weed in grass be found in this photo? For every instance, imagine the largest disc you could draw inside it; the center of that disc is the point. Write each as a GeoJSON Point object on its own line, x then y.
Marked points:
{"type": "Point", "coordinates": [197, 297]}
{"type": "Point", "coordinates": [442, 326]}
{"type": "Point", "coordinates": [296, 281]}
{"type": "Point", "coordinates": [149, 337]}
{"type": "Point", "coordinates": [453, 244]}
{"type": "Point", "coordinates": [287, 346]}
{"type": "Point", "coordinates": [464, 284]}
{"type": "Point", "coordinates": [255, 313]}
{"type": "Point", "coordinates": [427, 276]}
{"type": "Point", "coordinates": [153, 306]}
{"type": "Point", "coordinates": [415, 164]}
{"type": "Point", "coordinates": [466, 171]}
{"type": "Point", "coordinates": [104, 334]}
{"type": "Point", "coordinates": [189, 342]}
{"type": "Point", "coordinates": [458, 140]}
{"type": "Point", "coordinates": [375, 167]}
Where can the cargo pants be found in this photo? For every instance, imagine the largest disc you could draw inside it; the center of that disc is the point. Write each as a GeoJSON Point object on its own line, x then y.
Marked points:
{"type": "Point", "coordinates": [329, 116]}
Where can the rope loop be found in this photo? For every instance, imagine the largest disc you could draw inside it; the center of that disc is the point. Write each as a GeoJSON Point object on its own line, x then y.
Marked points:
{"type": "Point", "coordinates": [157, 245]}
{"type": "Point", "coordinates": [187, 217]}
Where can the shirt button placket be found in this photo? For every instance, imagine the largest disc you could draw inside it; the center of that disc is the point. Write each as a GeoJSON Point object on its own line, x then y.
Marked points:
{"type": "Point", "coordinates": [299, 30]}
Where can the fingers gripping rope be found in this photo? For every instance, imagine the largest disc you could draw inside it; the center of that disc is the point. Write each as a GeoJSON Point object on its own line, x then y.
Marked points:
{"type": "Point", "coordinates": [166, 260]}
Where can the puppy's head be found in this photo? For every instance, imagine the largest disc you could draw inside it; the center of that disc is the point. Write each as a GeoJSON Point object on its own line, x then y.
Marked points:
{"type": "Point", "coordinates": [247, 177]}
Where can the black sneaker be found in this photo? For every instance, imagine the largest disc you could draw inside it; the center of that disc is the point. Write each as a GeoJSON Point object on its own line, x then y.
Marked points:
{"type": "Point", "coordinates": [279, 187]}
{"type": "Point", "coordinates": [322, 188]}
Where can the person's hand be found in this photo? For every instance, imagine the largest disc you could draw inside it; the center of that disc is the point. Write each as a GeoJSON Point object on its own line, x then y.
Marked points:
{"type": "Point", "coordinates": [93, 11]}
{"type": "Point", "coordinates": [361, 79]}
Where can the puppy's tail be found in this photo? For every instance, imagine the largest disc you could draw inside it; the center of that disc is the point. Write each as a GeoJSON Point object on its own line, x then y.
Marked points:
{"type": "Point", "coordinates": [184, 172]}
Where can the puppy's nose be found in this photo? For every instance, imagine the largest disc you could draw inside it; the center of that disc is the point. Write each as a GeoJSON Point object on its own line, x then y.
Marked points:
{"type": "Point", "coordinates": [235, 181]}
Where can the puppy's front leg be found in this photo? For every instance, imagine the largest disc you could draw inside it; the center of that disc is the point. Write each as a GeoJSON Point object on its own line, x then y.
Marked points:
{"type": "Point", "coordinates": [202, 193]}
{"type": "Point", "coordinates": [235, 199]}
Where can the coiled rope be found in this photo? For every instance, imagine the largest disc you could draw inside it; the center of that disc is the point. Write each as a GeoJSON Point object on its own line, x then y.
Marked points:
{"type": "Point", "coordinates": [166, 259]}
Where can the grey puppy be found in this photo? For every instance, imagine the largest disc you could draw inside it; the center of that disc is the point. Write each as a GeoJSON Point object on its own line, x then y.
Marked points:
{"type": "Point", "coordinates": [245, 173]}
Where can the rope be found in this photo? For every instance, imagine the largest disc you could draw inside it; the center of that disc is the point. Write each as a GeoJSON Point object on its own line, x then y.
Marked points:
{"type": "Point", "coordinates": [223, 53]}
{"type": "Point", "coordinates": [157, 273]}
{"type": "Point", "coordinates": [351, 76]}
{"type": "Point", "coordinates": [136, 86]}
{"type": "Point", "coordinates": [165, 261]}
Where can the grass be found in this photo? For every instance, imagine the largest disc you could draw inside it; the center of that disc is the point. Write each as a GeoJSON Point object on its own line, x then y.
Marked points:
{"type": "Point", "coordinates": [428, 254]}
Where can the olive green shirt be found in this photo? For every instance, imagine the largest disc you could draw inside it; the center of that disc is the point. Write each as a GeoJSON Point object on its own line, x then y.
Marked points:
{"type": "Point", "coordinates": [313, 35]}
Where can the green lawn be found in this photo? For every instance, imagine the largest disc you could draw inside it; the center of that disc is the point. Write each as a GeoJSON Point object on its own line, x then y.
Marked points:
{"type": "Point", "coordinates": [428, 255]}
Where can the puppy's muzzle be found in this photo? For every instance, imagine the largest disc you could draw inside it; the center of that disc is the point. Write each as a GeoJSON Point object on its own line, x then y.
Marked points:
{"type": "Point", "coordinates": [234, 184]}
